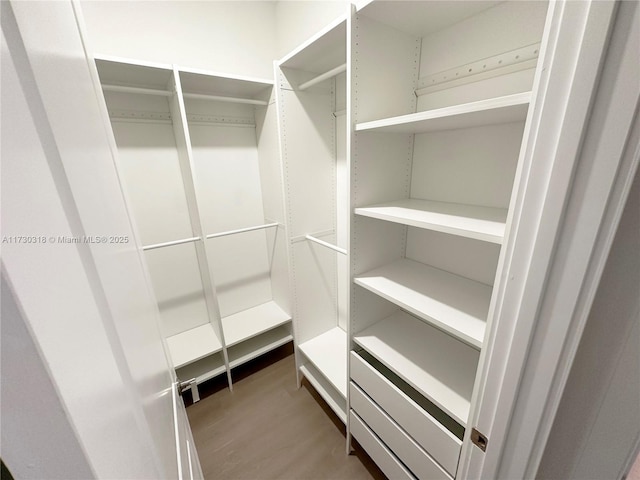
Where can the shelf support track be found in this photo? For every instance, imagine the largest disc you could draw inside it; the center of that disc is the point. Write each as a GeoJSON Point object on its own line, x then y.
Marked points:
{"type": "Point", "coordinates": [326, 244]}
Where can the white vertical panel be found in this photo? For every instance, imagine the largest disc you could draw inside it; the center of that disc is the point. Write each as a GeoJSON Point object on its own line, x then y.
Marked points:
{"type": "Point", "coordinates": [342, 214]}
{"type": "Point", "coordinates": [273, 202]}
{"type": "Point", "coordinates": [473, 166]}
{"type": "Point", "coordinates": [88, 307]}
{"type": "Point", "coordinates": [183, 142]}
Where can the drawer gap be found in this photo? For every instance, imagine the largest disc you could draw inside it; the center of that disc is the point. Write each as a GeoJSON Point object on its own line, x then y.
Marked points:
{"type": "Point", "coordinates": [436, 412]}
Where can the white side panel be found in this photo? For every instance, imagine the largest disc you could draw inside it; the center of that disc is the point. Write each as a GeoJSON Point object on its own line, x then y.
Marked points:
{"type": "Point", "coordinates": [342, 216]}
{"type": "Point", "coordinates": [227, 179]}
{"type": "Point", "coordinates": [473, 166]}
{"type": "Point", "coordinates": [273, 203]}
{"type": "Point", "coordinates": [88, 306]}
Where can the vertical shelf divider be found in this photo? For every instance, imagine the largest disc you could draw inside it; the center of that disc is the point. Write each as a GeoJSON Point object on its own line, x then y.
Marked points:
{"type": "Point", "coordinates": [183, 142]}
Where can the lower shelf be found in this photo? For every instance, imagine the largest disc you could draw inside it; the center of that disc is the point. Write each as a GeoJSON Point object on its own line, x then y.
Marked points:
{"type": "Point", "coordinates": [192, 345]}
{"type": "Point", "coordinates": [258, 345]}
{"type": "Point", "coordinates": [204, 369]}
{"type": "Point", "coordinates": [328, 354]}
{"type": "Point", "coordinates": [329, 394]}
{"type": "Point", "coordinates": [244, 325]}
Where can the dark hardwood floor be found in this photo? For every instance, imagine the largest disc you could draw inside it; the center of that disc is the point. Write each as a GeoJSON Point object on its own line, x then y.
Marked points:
{"type": "Point", "coordinates": [267, 428]}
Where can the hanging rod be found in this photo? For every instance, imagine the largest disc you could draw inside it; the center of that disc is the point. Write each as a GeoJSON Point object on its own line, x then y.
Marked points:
{"type": "Point", "coordinates": [242, 230]}
{"type": "Point", "coordinates": [326, 244]}
{"type": "Point", "coordinates": [169, 244]}
{"type": "Point", "coordinates": [331, 73]}
{"type": "Point", "coordinates": [144, 91]}
{"type": "Point", "coordinates": [218, 98]}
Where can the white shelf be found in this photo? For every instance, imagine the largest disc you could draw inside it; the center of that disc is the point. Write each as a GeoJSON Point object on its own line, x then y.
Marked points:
{"type": "Point", "coordinates": [326, 391]}
{"type": "Point", "coordinates": [254, 321]}
{"type": "Point", "coordinates": [258, 345]}
{"type": "Point", "coordinates": [328, 353]}
{"type": "Point", "coordinates": [192, 345]}
{"type": "Point", "coordinates": [510, 108]}
{"type": "Point", "coordinates": [471, 221]}
{"type": "Point", "coordinates": [452, 303]}
{"type": "Point", "coordinates": [439, 367]}
{"type": "Point", "coordinates": [204, 369]}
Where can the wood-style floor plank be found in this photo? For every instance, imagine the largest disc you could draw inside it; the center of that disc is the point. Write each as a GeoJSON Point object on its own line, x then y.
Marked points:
{"type": "Point", "coordinates": [267, 429]}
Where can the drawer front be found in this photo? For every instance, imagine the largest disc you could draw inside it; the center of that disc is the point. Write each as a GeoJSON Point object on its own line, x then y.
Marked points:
{"type": "Point", "coordinates": [430, 434]}
{"type": "Point", "coordinates": [386, 461]}
{"type": "Point", "coordinates": [403, 446]}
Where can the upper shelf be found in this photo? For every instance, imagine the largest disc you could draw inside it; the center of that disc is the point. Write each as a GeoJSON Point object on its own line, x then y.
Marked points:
{"type": "Point", "coordinates": [328, 352]}
{"type": "Point", "coordinates": [506, 109]}
{"type": "Point", "coordinates": [439, 367]}
{"type": "Point", "coordinates": [324, 51]}
{"type": "Point", "coordinates": [471, 221]}
{"type": "Point", "coordinates": [114, 71]}
{"type": "Point", "coordinates": [455, 304]}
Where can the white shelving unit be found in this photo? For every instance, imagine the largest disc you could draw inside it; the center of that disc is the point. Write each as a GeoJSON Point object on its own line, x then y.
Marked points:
{"type": "Point", "coordinates": [439, 113]}
{"type": "Point", "coordinates": [419, 354]}
{"type": "Point", "coordinates": [455, 304]}
{"type": "Point", "coordinates": [199, 161]}
{"type": "Point", "coordinates": [312, 101]}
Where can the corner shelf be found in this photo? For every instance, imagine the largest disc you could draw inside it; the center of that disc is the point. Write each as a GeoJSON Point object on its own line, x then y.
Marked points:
{"type": "Point", "coordinates": [193, 345]}
{"type": "Point", "coordinates": [455, 304]}
{"type": "Point", "coordinates": [254, 321]}
{"type": "Point", "coordinates": [471, 221]}
{"type": "Point", "coordinates": [493, 111]}
{"type": "Point", "coordinates": [328, 353]}
{"type": "Point", "coordinates": [438, 366]}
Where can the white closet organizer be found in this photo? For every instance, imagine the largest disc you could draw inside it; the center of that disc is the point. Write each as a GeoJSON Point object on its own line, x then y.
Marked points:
{"type": "Point", "coordinates": [440, 92]}
{"type": "Point", "coordinates": [313, 130]}
{"type": "Point", "coordinates": [199, 162]}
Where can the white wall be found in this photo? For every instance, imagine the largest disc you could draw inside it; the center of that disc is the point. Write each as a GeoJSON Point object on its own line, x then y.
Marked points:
{"type": "Point", "coordinates": [298, 20]}
{"type": "Point", "coordinates": [226, 36]}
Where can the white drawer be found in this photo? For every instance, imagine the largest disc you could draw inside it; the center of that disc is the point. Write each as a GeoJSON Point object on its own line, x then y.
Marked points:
{"type": "Point", "coordinates": [403, 446]}
{"type": "Point", "coordinates": [430, 434]}
{"type": "Point", "coordinates": [386, 461]}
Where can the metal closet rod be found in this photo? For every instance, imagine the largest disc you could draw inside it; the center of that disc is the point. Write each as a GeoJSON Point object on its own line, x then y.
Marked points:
{"type": "Point", "coordinates": [326, 244]}
{"type": "Point", "coordinates": [169, 244]}
{"type": "Point", "coordinates": [167, 93]}
{"type": "Point", "coordinates": [242, 230]}
{"type": "Point", "coordinates": [322, 77]}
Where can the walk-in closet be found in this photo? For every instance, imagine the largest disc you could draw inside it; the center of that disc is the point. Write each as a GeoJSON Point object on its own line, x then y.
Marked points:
{"type": "Point", "coordinates": [308, 239]}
